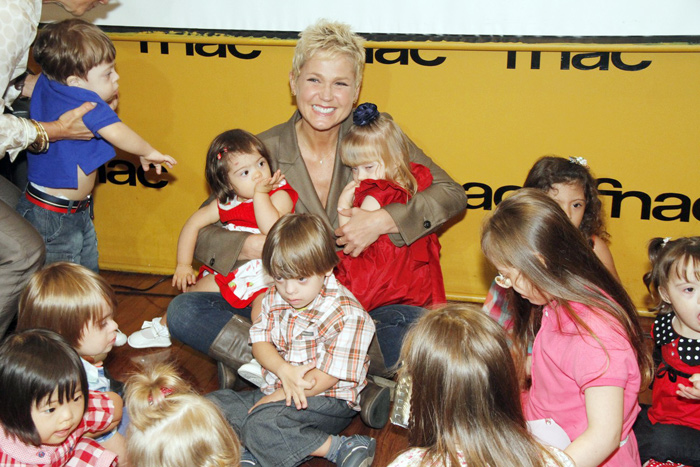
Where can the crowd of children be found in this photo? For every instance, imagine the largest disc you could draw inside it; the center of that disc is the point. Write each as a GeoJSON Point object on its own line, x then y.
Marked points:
{"type": "Point", "coordinates": [560, 389]}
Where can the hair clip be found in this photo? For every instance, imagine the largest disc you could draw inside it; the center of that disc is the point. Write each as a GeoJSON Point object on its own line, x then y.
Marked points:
{"type": "Point", "coordinates": [665, 241]}
{"type": "Point", "coordinates": [578, 160]}
{"type": "Point", "coordinates": [163, 390]}
{"type": "Point", "coordinates": [365, 114]}
{"type": "Point", "coordinates": [223, 151]}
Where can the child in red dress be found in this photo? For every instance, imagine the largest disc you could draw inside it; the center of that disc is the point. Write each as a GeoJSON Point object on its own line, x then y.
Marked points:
{"type": "Point", "coordinates": [248, 198]}
{"type": "Point", "coordinates": [670, 429]}
{"type": "Point", "coordinates": [384, 274]}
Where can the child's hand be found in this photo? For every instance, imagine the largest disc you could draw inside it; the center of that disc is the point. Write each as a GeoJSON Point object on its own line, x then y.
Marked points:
{"type": "Point", "coordinates": [294, 384]}
{"type": "Point", "coordinates": [278, 395]}
{"type": "Point", "coordinates": [266, 185]}
{"type": "Point", "coordinates": [156, 158]}
{"type": "Point", "coordinates": [184, 276]}
{"type": "Point", "coordinates": [690, 392]}
{"type": "Point", "coordinates": [347, 196]}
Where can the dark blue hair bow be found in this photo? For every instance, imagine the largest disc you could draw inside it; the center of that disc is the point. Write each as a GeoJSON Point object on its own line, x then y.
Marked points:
{"type": "Point", "coordinates": [365, 114]}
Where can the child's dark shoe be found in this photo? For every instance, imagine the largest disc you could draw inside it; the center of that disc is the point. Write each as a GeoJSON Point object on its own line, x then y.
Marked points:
{"type": "Point", "coordinates": [248, 459]}
{"type": "Point", "coordinates": [375, 403]}
{"type": "Point", "coordinates": [356, 451]}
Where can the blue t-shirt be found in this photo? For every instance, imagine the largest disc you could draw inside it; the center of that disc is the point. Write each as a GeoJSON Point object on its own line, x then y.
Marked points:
{"type": "Point", "coordinates": [58, 167]}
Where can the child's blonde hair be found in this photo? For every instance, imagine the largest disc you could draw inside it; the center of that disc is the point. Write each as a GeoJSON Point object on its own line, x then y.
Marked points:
{"type": "Point", "coordinates": [380, 140]}
{"type": "Point", "coordinates": [529, 232]}
{"type": "Point", "coordinates": [465, 395]}
{"type": "Point", "coordinates": [172, 426]}
{"type": "Point", "coordinates": [670, 258]}
{"type": "Point", "coordinates": [65, 297]}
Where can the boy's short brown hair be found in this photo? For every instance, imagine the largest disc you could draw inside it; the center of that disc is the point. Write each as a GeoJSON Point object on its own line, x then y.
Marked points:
{"type": "Point", "coordinates": [299, 245]}
{"type": "Point", "coordinates": [65, 297]}
{"type": "Point", "coordinates": [72, 48]}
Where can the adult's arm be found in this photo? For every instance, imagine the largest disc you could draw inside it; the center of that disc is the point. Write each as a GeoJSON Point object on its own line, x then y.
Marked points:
{"type": "Point", "coordinates": [405, 223]}
{"type": "Point", "coordinates": [220, 249]}
{"type": "Point", "coordinates": [16, 133]}
{"type": "Point", "coordinates": [428, 210]}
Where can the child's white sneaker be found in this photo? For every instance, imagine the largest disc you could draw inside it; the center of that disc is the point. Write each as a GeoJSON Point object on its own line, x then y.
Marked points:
{"type": "Point", "coordinates": [120, 340]}
{"type": "Point", "coordinates": [252, 371]}
{"type": "Point", "coordinates": [152, 334]}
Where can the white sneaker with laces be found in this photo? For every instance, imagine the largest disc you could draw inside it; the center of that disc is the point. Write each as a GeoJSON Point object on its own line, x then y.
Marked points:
{"type": "Point", "coordinates": [152, 334]}
{"type": "Point", "coordinates": [252, 371]}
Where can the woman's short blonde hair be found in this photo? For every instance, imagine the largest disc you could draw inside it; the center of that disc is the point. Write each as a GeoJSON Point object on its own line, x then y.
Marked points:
{"type": "Point", "coordinates": [65, 298]}
{"type": "Point", "coordinates": [171, 425]}
{"type": "Point", "coordinates": [332, 39]}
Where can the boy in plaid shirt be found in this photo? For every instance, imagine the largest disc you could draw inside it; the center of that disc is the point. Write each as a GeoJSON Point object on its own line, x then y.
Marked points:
{"type": "Point", "coordinates": [311, 338]}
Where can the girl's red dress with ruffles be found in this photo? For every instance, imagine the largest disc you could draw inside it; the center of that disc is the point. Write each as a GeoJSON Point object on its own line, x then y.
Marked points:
{"type": "Point", "coordinates": [385, 274]}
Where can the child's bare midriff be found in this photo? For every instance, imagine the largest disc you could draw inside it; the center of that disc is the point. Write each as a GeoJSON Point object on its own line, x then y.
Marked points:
{"type": "Point", "coordinates": [86, 183]}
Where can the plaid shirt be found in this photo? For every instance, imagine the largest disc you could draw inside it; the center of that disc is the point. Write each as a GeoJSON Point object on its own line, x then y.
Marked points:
{"type": "Point", "coordinates": [75, 451]}
{"type": "Point", "coordinates": [334, 332]}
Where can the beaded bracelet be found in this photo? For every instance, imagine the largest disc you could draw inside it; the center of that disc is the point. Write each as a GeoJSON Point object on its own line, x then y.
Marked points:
{"type": "Point", "coordinates": [41, 143]}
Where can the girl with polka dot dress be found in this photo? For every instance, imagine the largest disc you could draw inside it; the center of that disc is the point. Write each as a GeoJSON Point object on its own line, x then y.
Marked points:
{"type": "Point", "coordinates": [670, 429]}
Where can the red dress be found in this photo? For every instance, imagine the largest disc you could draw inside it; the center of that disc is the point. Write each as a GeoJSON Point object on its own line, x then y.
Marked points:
{"type": "Point", "coordinates": [681, 359]}
{"type": "Point", "coordinates": [241, 217]}
{"type": "Point", "coordinates": [385, 274]}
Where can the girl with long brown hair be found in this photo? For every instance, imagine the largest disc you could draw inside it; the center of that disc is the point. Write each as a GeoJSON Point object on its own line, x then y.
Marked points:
{"type": "Point", "coordinates": [588, 359]}
{"type": "Point", "coordinates": [465, 406]}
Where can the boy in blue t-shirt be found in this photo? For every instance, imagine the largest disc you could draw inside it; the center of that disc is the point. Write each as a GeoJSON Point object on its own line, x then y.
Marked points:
{"type": "Point", "coordinates": [77, 61]}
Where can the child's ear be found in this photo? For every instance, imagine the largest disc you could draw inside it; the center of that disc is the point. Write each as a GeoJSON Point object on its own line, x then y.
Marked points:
{"type": "Point", "coordinates": [75, 81]}
{"type": "Point", "coordinates": [664, 295]}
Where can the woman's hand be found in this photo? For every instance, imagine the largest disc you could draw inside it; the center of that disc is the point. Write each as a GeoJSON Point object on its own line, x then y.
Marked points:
{"type": "Point", "coordinates": [70, 125]}
{"type": "Point", "coordinates": [362, 229]}
{"type": "Point", "coordinates": [266, 185]}
{"type": "Point", "coordinates": [690, 392]}
{"type": "Point", "coordinates": [183, 277]}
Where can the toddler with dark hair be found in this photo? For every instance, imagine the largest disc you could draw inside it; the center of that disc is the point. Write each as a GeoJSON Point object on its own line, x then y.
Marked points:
{"type": "Point", "coordinates": [77, 61]}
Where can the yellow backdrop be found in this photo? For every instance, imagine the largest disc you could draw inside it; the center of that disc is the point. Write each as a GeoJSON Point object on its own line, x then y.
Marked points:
{"type": "Point", "coordinates": [484, 112]}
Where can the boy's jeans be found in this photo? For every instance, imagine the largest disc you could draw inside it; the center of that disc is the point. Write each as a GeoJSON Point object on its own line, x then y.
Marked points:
{"type": "Point", "coordinates": [68, 237]}
{"type": "Point", "coordinates": [278, 435]}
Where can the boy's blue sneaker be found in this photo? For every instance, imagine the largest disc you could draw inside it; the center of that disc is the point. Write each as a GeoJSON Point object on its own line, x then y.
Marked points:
{"type": "Point", "coordinates": [248, 459]}
{"type": "Point", "coordinates": [356, 451]}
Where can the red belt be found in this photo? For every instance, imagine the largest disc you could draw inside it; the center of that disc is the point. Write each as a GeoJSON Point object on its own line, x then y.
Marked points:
{"type": "Point", "coordinates": [55, 204]}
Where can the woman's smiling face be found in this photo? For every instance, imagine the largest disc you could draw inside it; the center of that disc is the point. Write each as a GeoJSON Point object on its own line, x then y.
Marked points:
{"type": "Point", "coordinates": [325, 90]}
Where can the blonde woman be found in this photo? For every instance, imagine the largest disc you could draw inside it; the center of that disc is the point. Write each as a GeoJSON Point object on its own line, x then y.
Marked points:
{"type": "Point", "coordinates": [325, 82]}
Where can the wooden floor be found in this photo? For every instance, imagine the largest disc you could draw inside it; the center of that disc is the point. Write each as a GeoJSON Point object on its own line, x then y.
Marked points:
{"type": "Point", "coordinates": [199, 369]}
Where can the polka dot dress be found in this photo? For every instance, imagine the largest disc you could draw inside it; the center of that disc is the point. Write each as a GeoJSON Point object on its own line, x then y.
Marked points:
{"type": "Point", "coordinates": [688, 350]}
{"type": "Point", "coordinates": [681, 359]}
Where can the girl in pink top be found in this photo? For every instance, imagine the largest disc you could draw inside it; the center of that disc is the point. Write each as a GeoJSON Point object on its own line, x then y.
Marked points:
{"type": "Point", "coordinates": [588, 358]}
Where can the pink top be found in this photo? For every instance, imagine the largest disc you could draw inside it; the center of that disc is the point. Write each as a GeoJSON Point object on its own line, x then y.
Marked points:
{"type": "Point", "coordinates": [566, 362]}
